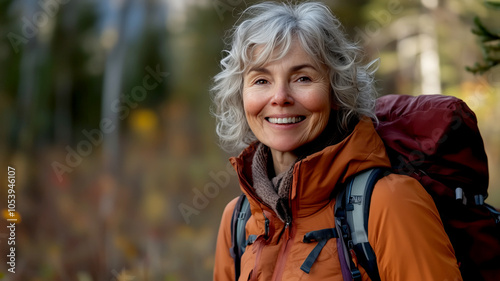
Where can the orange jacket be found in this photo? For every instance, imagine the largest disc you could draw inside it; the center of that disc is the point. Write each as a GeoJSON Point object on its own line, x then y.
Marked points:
{"type": "Point", "coordinates": [404, 228]}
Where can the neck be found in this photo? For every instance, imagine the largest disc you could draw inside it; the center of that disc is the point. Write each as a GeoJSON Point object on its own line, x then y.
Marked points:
{"type": "Point", "coordinates": [282, 160]}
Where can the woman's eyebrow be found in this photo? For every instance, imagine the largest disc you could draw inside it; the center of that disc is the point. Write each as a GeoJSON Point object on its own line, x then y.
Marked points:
{"type": "Point", "coordinates": [301, 66]}
{"type": "Point", "coordinates": [259, 70]}
{"type": "Point", "coordinates": [293, 69]}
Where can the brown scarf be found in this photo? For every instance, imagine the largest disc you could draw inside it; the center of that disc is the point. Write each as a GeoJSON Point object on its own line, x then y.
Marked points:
{"type": "Point", "coordinates": [274, 192]}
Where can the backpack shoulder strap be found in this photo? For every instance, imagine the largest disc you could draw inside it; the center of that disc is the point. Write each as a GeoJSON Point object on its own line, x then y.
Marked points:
{"type": "Point", "coordinates": [241, 214]}
{"type": "Point", "coordinates": [352, 208]}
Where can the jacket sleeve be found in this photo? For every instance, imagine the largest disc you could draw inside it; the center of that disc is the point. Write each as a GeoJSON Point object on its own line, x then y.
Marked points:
{"type": "Point", "coordinates": [224, 263]}
{"type": "Point", "coordinates": [407, 235]}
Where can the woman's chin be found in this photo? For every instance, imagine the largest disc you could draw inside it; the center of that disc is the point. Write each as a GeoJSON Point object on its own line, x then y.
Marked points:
{"type": "Point", "coordinates": [284, 147]}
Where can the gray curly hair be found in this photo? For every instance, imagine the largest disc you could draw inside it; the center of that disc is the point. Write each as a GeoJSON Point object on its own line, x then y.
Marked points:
{"type": "Point", "coordinates": [272, 27]}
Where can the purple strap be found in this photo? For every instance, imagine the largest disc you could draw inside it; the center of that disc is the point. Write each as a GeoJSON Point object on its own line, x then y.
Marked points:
{"type": "Point", "coordinates": [346, 272]}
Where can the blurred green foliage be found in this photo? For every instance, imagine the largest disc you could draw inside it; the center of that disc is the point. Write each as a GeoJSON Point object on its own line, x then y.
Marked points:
{"type": "Point", "coordinates": [489, 43]}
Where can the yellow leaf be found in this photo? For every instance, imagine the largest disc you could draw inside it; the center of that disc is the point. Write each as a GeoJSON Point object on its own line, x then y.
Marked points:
{"type": "Point", "coordinates": [143, 121]}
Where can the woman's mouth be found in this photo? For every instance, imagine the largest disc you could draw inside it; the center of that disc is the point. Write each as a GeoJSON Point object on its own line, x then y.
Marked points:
{"type": "Point", "coordinates": [286, 120]}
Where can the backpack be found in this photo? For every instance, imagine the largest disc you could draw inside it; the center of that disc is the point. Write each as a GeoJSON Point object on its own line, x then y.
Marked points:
{"type": "Point", "coordinates": [434, 139]}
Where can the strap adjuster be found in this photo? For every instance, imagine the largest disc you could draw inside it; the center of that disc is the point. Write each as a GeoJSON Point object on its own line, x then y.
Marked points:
{"type": "Point", "coordinates": [356, 274]}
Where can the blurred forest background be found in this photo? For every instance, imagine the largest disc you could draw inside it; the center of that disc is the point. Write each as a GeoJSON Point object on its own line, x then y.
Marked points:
{"type": "Point", "coordinates": [104, 111]}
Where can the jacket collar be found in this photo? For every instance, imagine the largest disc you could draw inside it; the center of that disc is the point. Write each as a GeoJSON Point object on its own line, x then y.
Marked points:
{"type": "Point", "coordinates": [315, 176]}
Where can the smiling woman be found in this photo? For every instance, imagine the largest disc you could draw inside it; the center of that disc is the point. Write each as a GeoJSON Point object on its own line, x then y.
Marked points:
{"type": "Point", "coordinates": [294, 90]}
{"type": "Point", "coordinates": [266, 35]}
{"type": "Point", "coordinates": [287, 104]}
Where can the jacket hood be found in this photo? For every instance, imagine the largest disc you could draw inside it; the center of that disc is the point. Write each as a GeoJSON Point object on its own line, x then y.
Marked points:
{"type": "Point", "coordinates": [315, 176]}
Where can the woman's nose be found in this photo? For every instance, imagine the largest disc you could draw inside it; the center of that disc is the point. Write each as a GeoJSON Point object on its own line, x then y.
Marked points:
{"type": "Point", "coordinates": [282, 95]}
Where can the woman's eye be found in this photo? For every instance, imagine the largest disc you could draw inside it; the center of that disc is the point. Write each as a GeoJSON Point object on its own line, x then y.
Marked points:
{"type": "Point", "coordinates": [304, 79]}
{"type": "Point", "coordinates": [261, 82]}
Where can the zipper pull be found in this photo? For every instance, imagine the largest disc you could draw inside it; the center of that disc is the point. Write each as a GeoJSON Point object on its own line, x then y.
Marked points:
{"type": "Point", "coordinates": [284, 231]}
{"type": "Point", "coordinates": [266, 226]}
{"type": "Point", "coordinates": [287, 229]}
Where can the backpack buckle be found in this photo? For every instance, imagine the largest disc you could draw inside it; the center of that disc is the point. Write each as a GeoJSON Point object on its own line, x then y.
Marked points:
{"type": "Point", "coordinates": [479, 199]}
{"type": "Point", "coordinates": [460, 195]}
{"type": "Point", "coordinates": [241, 216]}
{"type": "Point", "coordinates": [356, 274]}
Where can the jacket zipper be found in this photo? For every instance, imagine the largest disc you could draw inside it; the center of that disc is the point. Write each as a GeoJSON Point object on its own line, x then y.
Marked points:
{"type": "Point", "coordinates": [287, 243]}
{"type": "Point", "coordinates": [282, 257]}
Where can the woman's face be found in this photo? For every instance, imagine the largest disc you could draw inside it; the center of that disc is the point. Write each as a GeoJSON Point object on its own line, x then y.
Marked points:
{"type": "Point", "coordinates": [287, 101]}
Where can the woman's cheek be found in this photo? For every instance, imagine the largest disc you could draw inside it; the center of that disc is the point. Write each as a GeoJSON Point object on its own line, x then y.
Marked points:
{"type": "Point", "coordinates": [253, 102]}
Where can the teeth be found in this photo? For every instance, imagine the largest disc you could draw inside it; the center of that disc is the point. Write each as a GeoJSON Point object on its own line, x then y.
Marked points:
{"type": "Point", "coordinates": [289, 120]}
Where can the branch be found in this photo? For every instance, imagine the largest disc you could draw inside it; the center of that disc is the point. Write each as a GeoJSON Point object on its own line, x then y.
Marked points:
{"type": "Point", "coordinates": [489, 43]}
{"type": "Point", "coordinates": [492, 4]}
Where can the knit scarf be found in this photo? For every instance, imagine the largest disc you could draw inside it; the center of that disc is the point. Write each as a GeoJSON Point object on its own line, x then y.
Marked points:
{"type": "Point", "coordinates": [273, 189]}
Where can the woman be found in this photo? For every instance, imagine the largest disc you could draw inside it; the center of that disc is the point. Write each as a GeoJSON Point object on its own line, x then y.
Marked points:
{"type": "Point", "coordinates": [293, 88]}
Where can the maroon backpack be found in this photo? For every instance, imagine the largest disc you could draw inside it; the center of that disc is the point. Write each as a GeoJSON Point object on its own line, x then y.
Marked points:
{"type": "Point", "coordinates": [435, 139]}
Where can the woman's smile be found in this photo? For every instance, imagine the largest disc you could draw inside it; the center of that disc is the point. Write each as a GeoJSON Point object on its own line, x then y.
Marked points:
{"type": "Point", "coordinates": [285, 120]}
